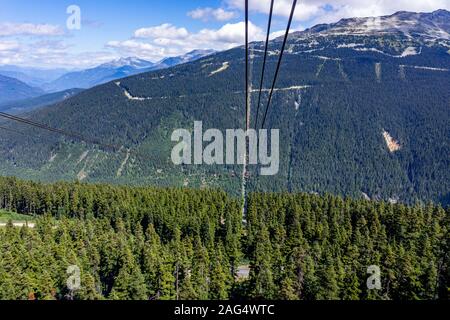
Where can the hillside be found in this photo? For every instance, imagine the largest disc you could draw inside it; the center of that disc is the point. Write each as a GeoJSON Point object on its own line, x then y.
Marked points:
{"type": "Point", "coordinates": [339, 97]}
{"type": "Point", "coordinates": [34, 77]}
{"type": "Point", "coordinates": [12, 90]}
{"type": "Point", "coordinates": [26, 105]}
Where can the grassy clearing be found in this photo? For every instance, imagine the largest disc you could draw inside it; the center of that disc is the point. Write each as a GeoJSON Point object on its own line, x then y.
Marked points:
{"type": "Point", "coordinates": [6, 216]}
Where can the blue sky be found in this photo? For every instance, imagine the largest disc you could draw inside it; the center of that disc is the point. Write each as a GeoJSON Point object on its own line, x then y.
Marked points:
{"type": "Point", "coordinates": [34, 33]}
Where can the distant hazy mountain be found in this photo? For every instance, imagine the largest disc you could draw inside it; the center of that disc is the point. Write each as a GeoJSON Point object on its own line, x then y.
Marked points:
{"type": "Point", "coordinates": [12, 90]}
{"type": "Point", "coordinates": [29, 104]}
{"type": "Point", "coordinates": [131, 62]}
{"type": "Point", "coordinates": [117, 69]}
{"type": "Point", "coordinates": [34, 77]}
{"type": "Point", "coordinates": [98, 75]}
{"type": "Point", "coordinates": [189, 57]}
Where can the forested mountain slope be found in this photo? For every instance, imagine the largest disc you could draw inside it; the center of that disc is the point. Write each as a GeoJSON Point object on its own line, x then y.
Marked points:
{"type": "Point", "coordinates": [12, 89]}
{"type": "Point", "coordinates": [26, 105]}
{"type": "Point", "coordinates": [359, 115]}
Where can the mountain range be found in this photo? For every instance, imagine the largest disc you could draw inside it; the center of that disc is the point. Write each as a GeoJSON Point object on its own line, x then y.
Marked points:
{"type": "Point", "coordinates": [34, 77]}
{"type": "Point", "coordinates": [22, 89]}
{"type": "Point", "coordinates": [362, 112]}
{"type": "Point", "coordinates": [431, 26]}
{"type": "Point", "coordinates": [117, 69]}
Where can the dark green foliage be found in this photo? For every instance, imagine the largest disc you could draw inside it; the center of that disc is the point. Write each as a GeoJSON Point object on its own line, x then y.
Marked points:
{"type": "Point", "coordinates": [329, 243]}
{"type": "Point", "coordinates": [148, 243]}
{"type": "Point", "coordinates": [99, 228]}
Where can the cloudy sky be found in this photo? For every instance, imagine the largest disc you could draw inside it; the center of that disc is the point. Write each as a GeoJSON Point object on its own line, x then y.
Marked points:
{"type": "Point", "coordinates": [35, 33]}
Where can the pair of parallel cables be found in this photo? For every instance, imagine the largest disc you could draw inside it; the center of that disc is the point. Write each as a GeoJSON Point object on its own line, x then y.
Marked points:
{"type": "Point", "coordinates": [280, 59]}
{"type": "Point", "coordinates": [247, 87]}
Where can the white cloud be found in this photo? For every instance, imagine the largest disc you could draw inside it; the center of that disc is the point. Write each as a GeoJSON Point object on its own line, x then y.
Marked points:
{"type": "Point", "coordinates": [325, 11]}
{"type": "Point", "coordinates": [231, 33]}
{"type": "Point", "coordinates": [8, 51]}
{"type": "Point", "coordinates": [86, 59]}
{"type": "Point", "coordinates": [207, 14]}
{"type": "Point", "coordinates": [281, 33]}
{"type": "Point", "coordinates": [138, 49]}
{"type": "Point", "coordinates": [363, 8]}
{"type": "Point", "coordinates": [165, 30]}
{"type": "Point", "coordinates": [157, 42]}
{"type": "Point", "coordinates": [15, 29]}
{"type": "Point", "coordinates": [50, 54]}
{"type": "Point", "coordinates": [158, 45]}
{"type": "Point", "coordinates": [304, 9]}
{"type": "Point", "coordinates": [131, 44]}
{"type": "Point", "coordinates": [8, 45]}
{"type": "Point", "coordinates": [167, 39]}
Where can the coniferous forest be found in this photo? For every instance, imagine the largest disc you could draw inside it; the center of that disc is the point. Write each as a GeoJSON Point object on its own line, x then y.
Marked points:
{"type": "Point", "coordinates": [167, 244]}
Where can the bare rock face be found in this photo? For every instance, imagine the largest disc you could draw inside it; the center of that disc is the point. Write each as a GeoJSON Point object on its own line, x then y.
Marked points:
{"type": "Point", "coordinates": [391, 143]}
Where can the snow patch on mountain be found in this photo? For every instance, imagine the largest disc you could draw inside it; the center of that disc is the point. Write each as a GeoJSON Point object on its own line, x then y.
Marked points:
{"type": "Point", "coordinates": [426, 68]}
{"type": "Point", "coordinates": [433, 25]}
{"type": "Point", "coordinates": [130, 62]}
{"type": "Point", "coordinates": [328, 58]}
{"type": "Point", "coordinates": [224, 67]}
{"type": "Point", "coordinates": [281, 89]}
{"type": "Point", "coordinates": [410, 51]}
{"type": "Point", "coordinates": [350, 45]}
